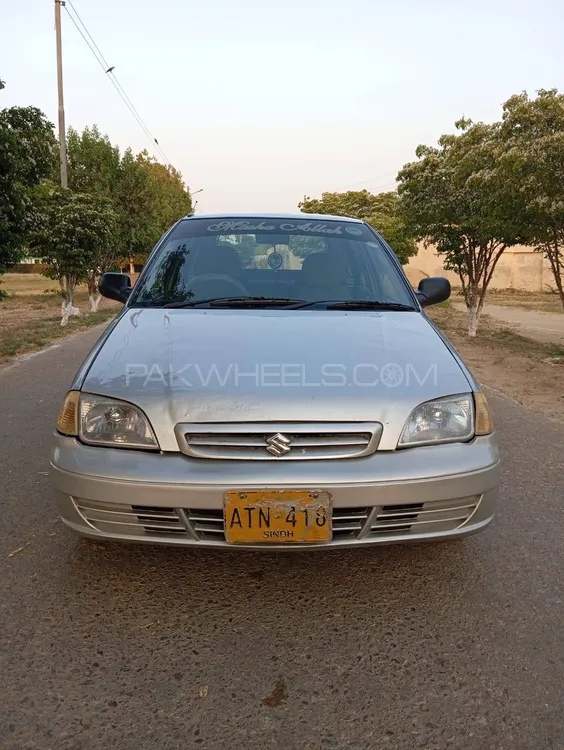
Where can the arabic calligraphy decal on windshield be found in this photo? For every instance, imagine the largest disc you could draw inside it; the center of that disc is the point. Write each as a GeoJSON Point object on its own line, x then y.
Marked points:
{"type": "Point", "coordinates": [315, 227]}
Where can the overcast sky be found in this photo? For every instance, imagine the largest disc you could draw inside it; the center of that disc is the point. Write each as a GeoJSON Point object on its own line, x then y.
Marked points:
{"type": "Point", "coordinates": [260, 102]}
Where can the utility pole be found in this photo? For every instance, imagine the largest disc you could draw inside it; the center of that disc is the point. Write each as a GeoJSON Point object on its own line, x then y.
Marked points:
{"type": "Point", "coordinates": [62, 130]}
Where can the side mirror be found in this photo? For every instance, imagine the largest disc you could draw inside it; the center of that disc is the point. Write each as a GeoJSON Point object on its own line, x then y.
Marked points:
{"type": "Point", "coordinates": [433, 290]}
{"type": "Point", "coordinates": [115, 286]}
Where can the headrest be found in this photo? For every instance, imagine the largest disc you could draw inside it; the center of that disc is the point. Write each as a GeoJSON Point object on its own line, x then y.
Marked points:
{"type": "Point", "coordinates": [321, 268]}
{"type": "Point", "coordinates": [217, 259]}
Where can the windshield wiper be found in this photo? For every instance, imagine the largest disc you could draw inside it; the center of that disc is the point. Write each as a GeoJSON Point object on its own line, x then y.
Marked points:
{"type": "Point", "coordinates": [368, 305]}
{"type": "Point", "coordinates": [238, 302]}
{"type": "Point", "coordinates": [357, 304]}
{"type": "Point", "coordinates": [291, 303]}
{"type": "Point", "coordinates": [255, 302]}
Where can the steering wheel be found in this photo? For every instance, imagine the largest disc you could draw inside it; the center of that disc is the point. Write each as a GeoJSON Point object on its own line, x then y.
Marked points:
{"type": "Point", "coordinates": [222, 278]}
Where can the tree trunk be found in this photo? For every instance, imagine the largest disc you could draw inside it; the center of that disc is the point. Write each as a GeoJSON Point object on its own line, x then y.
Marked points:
{"type": "Point", "coordinates": [67, 306]}
{"type": "Point", "coordinates": [131, 266]}
{"type": "Point", "coordinates": [552, 251]}
{"type": "Point", "coordinates": [62, 287]}
{"type": "Point", "coordinates": [475, 273]}
{"type": "Point", "coordinates": [556, 261]}
{"type": "Point", "coordinates": [474, 305]}
{"type": "Point", "coordinates": [473, 320]}
{"type": "Point", "coordinates": [94, 301]}
{"type": "Point", "coordinates": [93, 295]}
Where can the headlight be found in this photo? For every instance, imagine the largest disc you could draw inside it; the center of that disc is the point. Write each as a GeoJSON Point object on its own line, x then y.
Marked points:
{"type": "Point", "coordinates": [445, 420]}
{"type": "Point", "coordinates": [105, 421]}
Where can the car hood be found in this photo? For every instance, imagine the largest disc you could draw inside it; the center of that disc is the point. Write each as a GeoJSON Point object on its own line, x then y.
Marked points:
{"type": "Point", "coordinates": [199, 366]}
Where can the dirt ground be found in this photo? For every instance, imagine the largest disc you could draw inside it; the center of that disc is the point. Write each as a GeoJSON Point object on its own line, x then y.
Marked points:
{"type": "Point", "coordinates": [508, 362]}
{"type": "Point", "coordinates": [541, 302]}
{"type": "Point", "coordinates": [21, 284]}
{"type": "Point", "coordinates": [30, 318]}
{"type": "Point", "coordinates": [29, 322]}
{"type": "Point", "coordinates": [547, 327]}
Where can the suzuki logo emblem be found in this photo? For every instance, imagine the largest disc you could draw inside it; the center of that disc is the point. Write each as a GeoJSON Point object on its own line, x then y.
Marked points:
{"type": "Point", "coordinates": [278, 445]}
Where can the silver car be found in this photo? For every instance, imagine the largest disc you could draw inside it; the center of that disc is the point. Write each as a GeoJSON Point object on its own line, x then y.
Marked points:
{"type": "Point", "coordinates": [273, 383]}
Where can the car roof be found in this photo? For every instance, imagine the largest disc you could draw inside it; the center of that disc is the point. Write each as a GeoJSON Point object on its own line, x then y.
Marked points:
{"type": "Point", "coordinates": [316, 217]}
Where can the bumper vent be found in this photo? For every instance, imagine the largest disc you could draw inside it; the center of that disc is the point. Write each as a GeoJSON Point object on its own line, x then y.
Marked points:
{"type": "Point", "coordinates": [132, 520]}
{"type": "Point", "coordinates": [422, 518]}
{"type": "Point", "coordinates": [204, 525]}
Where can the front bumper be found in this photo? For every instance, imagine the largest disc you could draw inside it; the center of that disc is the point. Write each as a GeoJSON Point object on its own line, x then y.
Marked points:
{"type": "Point", "coordinates": [426, 493]}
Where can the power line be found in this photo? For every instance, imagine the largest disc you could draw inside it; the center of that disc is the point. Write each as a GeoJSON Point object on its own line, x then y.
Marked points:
{"type": "Point", "coordinates": [101, 61]}
{"type": "Point", "coordinates": [110, 70]}
{"type": "Point", "coordinates": [88, 34]}
{"type": "Point", "coordinates": [383, 187]}
{"type": "Point", "coordinates": [113, 80]}
{"type": "Point", "coordinates": [371, 179]}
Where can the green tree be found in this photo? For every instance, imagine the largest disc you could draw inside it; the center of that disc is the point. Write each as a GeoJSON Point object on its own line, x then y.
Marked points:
{"type": "Point", "coordinates": [170, 197]}
{"type": "Point", "coordinates": [356, 204]}
{"type": "Point", "coordinates": [28, 153]}
{"type": "Point", "coordinates": [94, 163]}
{"type": "Point", "coordinates": [456, 196]}
{"type": "Point", "coordinates": [147, 196]}
{"type": "Point", "coordinates": [380, 210]}
{"type": "Point", "coordinates": [76, 236]}
{"type": "Point", "coordinates": [96, 167]}
{"type": "Point", "coordinates": [138, 228]}
{"type": "Point", "coordinates": [533, 163]}
{"type": "Point", "coordinates": [389, 221]}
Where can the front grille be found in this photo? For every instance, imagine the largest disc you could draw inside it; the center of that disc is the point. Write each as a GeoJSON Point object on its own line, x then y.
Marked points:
{"type": "Point", "coordinates": [279, 442]}
{"type": "Point", "coordinates": [132, 520]}
{"type": "Point", "coordinates": [208, 524]}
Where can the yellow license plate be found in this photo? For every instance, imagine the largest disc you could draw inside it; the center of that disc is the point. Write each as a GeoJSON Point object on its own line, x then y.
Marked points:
{"type": "Point", "coordinates": [279, 517]}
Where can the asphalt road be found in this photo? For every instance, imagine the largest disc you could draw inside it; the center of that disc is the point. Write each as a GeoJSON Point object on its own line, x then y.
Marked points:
{"type": "Point", "coordinates": [453, 645]}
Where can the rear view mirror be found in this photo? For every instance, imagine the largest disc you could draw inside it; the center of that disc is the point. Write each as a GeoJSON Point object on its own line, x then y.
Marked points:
{"type": "Point", "coordinates": [433, 290]}
{"type": "Point", "coordinates": [272, 239]}
{"type": "Point", "coordinates": [115, 286]}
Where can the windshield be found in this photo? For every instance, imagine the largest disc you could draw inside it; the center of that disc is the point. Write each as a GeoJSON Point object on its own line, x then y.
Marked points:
{"type": "Point", "coordinates": [275, 261]}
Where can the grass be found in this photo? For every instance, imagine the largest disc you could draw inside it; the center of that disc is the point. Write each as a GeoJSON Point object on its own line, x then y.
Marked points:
{"type": "Point", "coordinates": [27, 283]}
{"type": "Point", "coordinates": [537, 301]}
{"type": "Point", "coordinates": [23, 339]}
{"type": "Point", "coordinates": [33, 321]}
{"type": "Point", "coordinates": [490, 334]}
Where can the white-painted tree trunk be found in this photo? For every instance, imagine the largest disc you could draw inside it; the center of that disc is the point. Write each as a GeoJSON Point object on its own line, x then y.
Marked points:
{"type": "Point", "coordinates": [67, 305]}
{"type": "Point", "coordinates": [474, 312]}
{"type": "Point", "coordinates": [67, 311]}
{"type": "Point", "coordinates": [94, 301]}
